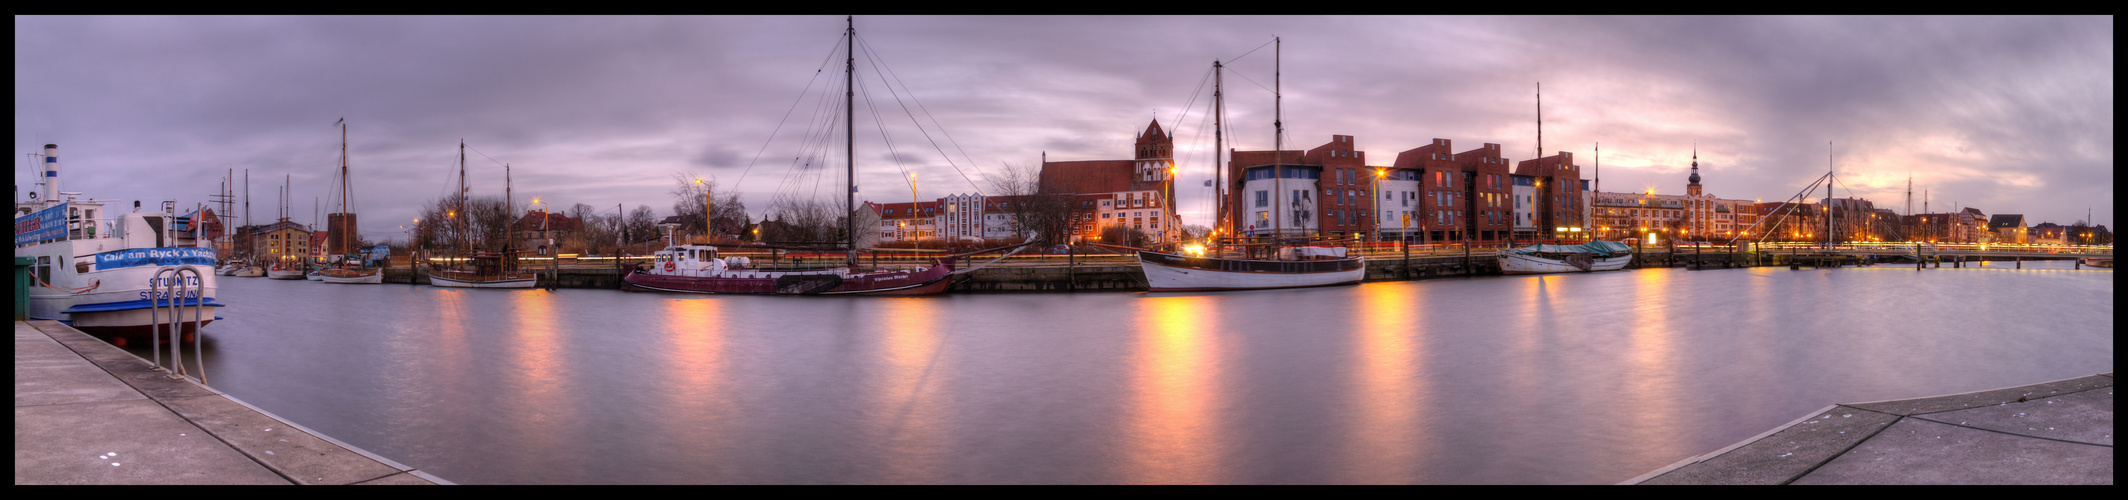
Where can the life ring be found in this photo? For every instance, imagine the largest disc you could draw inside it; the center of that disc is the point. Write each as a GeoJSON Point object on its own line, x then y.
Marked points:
{"type": "Point", "coordinates": [668, 267]}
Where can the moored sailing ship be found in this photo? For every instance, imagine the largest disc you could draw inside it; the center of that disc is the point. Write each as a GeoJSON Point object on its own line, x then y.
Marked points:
{"type": "Point", "coordinates": [479, 269]}
{"type": "Point", "coordinates": [1292, 267]}
{"type": "Point", "coordinates": [698, 269]}
{"type": "Point", "coordinates": [342, 227]}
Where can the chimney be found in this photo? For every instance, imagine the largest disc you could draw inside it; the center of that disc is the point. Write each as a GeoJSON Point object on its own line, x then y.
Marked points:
{"type": "Point", "coordinates": [51, 173]}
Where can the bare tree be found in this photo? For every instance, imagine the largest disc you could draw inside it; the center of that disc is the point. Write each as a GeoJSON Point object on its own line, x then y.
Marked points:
{"type": "Point", "coordinates": [1035, 209]}
{"type": "Point", "coordinates": [642, 224]}
{"type": "Point", "coordinates": [696, 199]}
{"type": "Point", "coordinates": [1122, 235]}
{"type": "Point", "coordinates": [796, 222]}
{"type": "Point", "coordinates": [1194, 231]}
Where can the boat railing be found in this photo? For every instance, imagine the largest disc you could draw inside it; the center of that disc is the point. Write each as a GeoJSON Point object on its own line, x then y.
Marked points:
{"type": "Point", "coordinates": [175, 288]}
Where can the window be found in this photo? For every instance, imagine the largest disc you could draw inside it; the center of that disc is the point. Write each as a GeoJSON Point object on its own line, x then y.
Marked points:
{"type": "Point", "coordinates": [1263, 198]}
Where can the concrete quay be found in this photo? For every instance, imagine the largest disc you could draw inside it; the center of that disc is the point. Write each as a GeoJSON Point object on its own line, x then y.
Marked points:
{"type": "Point", "coordinates": [2058, 432]}
{"type": "Point", "coordinates": [87, 412]}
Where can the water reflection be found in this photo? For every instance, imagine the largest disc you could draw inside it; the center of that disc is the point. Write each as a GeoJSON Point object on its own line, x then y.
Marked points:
{"type": "Point", "coordinates": [1387, 435]}
{"type": "Point", "coordinates": [1584, 379]}
{"type": "Point", "coordinates": [909, 407]}
{"type": "Point", "coordinates": [697, 403]}
{"type": "Point", "coordinates": [542, 417]}
{"type": "Point", "coordinates": [1653, 368]}
{"type": "Point", "coordinates": [1172, 436]}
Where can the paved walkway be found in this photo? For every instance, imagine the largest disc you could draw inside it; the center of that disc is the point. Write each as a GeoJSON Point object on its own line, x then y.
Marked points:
{"type": "Point", "coordinates": [90, 413]}
{"type": "Point", "coordinates": [2057, 432]}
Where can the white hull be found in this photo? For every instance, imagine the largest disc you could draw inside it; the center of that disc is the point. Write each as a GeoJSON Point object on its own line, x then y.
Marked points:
{"type": "Point", "coordinates": [314, 277]}
{"type": "Point", "coordinates": [1166, 278]}
{"type": "Point", "coordinates": [1514, 263]}
{"type": "Point", "coordinates": [376, 277]}
{"type": "Point", "coordinates": [511, 283]}
{"type": "Point", "coordinates": [104, 299]}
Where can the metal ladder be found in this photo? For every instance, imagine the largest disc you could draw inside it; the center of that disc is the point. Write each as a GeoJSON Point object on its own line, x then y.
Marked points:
{"type": "Point", "coordinates": [174, 292]}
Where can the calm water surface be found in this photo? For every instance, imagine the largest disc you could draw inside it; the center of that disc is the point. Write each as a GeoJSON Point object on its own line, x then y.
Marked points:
{"type": "Point", "coordinates": [1571, 379]}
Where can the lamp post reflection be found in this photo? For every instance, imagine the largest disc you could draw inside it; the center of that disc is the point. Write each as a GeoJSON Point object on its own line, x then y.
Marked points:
{"type": "Point", "coordinates": [1169, 439]}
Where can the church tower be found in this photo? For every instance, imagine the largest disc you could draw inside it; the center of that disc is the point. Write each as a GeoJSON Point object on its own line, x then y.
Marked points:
{"type": "Point", "coordinates": [1692, 188]}
{"type": "Point", "coordinates": [1155, 153]}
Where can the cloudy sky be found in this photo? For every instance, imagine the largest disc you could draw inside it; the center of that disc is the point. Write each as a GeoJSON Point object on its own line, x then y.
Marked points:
{"type": "Point", "coordinates": [2008, 114]}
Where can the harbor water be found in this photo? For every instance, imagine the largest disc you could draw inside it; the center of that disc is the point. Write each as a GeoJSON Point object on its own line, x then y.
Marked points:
{"type": "Point", "coordinates": [1558, 379]}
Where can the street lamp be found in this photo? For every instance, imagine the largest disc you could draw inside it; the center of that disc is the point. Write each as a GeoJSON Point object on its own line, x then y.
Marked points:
{"type": "Point", "coordinates": [1374, 202]}
{"type": "Point", "coordinates": [913, 211]}
{"type": "Point", "coordinates": [705, 210]}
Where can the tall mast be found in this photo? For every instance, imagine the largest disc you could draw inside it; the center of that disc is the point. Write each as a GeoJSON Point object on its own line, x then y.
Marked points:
{"type": "Point", "coordinates": [1540, 120]}
{"type": "Point", "coordinates": [1828, 193]}
{"type": "Point", "coordinates": [1224, 223]}
{"type": "Point", "coordinates": [247, 218]}
{"type": "Point", "coordinates": [1278, 153]}
{"type": "Point", "coordinates": [461, 201]}
{"type": "Point", "coordinates": [346, 243]}
{"type": "Point", "coordinates": [849, 131]}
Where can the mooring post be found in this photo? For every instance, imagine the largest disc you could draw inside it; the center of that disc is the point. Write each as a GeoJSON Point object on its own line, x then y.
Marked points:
{"type": "Point", "coordinates": [2020, 261]}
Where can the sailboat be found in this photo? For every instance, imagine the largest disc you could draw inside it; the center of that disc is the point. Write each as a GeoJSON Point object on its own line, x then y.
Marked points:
{"type": "Point", "coordinates": [247, 264]}
{"type": "Point", "coordinates": [356, 272]}
{"type": "Point", "coordinates": [1291, 267]}
{"type": "Point", "coordinates": [699, 269]}
{"type": "Point", "coordinates": [481, 269]}
{"type": "Point", "coordinates": [1596, 255]}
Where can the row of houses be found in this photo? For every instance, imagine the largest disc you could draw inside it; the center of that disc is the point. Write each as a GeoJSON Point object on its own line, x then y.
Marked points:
{"type": "Point", "coordinates": [1429, 194]}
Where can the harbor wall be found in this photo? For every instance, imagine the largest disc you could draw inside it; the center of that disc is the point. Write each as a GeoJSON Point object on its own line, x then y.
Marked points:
{"type": "Point", "coordinates": [1117, 276]}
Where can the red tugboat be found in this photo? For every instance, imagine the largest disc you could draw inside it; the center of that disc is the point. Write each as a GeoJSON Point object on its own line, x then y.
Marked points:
{"type": "Point", "coordinates": [697, 269]}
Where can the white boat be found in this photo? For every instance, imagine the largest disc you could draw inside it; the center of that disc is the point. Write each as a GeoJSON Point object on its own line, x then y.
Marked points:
{"type": "Point", "coordinates": [1593, 256]}
{"type": "Point", "coordinates": [98, 273]}
{"type": "Point", "coordinates": [1309, 267]}
{"type": "Point", "coordinates": [315, 275]}
{"type": "Point", "coordinates": [2105, 262]}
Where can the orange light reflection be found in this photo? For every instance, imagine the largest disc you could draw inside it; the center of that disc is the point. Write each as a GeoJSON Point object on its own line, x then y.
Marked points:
{"type": "Point", "coordinates": [695, 330]}
{"type": "Point", "coordinates": [1651, 374]}
{"type": "Point", "coordinates": [536, 359]}
{"type": "Point", "coordinates": [1169, 438]}
{"type": "Point", "coordinates": [1387, 440]}
{"type": "Point", "coordinates": [910, 408]}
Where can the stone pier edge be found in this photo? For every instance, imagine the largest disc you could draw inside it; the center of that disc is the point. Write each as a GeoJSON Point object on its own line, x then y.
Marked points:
{"type": "Point", "coordinates": [69, 330]}
{"type": "Point", "coordinates": [336, 441]}
{"type": "Point", "coordinates": [1856, 405]}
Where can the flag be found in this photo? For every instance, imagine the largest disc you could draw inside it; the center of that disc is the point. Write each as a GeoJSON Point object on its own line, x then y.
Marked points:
{"type": "Point", "coordinates": [1207, 183]}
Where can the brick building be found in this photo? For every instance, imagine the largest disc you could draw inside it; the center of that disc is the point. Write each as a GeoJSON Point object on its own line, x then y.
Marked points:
{"type": "Point", "coordinates": [1136, 193]}
{"type": "Point", "coordinates": [1558, 194]}
{"type": "Point", "coordinates": [2006, 228]}
{"type": "Point", "coordinates": [1695, 216]}
{"type": "Point", "coordinates": [539, 231]}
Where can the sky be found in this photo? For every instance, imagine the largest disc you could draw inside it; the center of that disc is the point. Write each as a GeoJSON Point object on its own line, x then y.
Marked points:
{"type": "Point", "coordinates": [2009, 114]}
